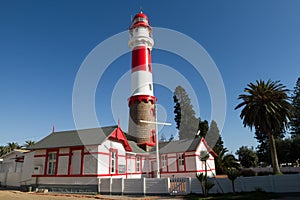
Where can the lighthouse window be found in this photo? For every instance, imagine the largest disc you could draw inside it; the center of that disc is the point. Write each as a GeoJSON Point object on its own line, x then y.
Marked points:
{"type": "Point", "coordinates": [140, 19]}
{"type": "Point", "coordinates": [149, 67]}
{"type": "Point", "coordinates": [150, 87]}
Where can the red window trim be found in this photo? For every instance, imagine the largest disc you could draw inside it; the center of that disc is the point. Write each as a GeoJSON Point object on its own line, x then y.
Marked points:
{"type": "Point", "coordinates": [56, 163]}
{"type": "Point", "coordinates": [183, 157]}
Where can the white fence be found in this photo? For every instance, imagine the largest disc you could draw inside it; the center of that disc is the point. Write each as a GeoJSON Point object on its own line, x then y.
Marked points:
{"type": "Point", "coordinates": [165, 186]}
{"type": "Point", "coordinates": [148, 186]}
{"type": "Point", "coordinates": [134, 186]}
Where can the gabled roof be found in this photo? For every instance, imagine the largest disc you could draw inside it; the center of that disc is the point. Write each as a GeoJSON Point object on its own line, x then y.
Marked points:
{"type": "Point", "coordinates": [16, 151]}
{"type": "Point", "coordinates": [184, 145]}
{"type": "Point", "coordinates": [135, 148]}
{"type": "Point", "coordinates": [178, 146]}
{"type": "Point", "coordinates": [92, 136]}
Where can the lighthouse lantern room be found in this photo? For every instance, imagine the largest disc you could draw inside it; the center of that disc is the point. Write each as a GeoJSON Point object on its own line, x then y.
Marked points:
{"type": "Point", "coordinates": [142, 101]}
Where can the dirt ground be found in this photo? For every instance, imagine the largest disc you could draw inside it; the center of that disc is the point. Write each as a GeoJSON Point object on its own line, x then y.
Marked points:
{"type": "Point", "coordinates": [17, 195]}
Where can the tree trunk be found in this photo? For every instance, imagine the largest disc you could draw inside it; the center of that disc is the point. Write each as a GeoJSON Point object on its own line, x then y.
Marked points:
{"type": "Point", "coordinates": [233, 188]}
{"type": "Point", "coordinates": [275, 165]}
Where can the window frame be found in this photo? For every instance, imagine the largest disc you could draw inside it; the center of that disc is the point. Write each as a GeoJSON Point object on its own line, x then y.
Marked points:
{"type": "Point", "coordinates": [138, 164]}
{"type": "Point", "coordinates": [164, 162]}
{"type": "Point", "coordinates": [52, 162]}
{"type": "Point", "coordinates": [113, 162]}
{"type": "Point", "coordinates": [180, 159]}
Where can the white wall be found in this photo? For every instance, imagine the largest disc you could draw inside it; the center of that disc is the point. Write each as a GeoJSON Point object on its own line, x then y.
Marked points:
{"type": "Point", "coordinates": [190, 161]}
{"type": "Point", "coordinates": [90, 164]}
{"type": "Point", "coordinates": [10, 179]}
{"type": "Point", "coordinates": [63, 163]}
{"type": "Point", "coordinates": [27, 167]}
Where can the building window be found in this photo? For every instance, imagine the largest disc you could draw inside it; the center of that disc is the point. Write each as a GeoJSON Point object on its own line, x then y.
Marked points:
{"type": "Point", "coordinates": [153, 135]}
{"type": "Point", "coordinates": [164, 162]}
{"type": "Point", "coordinates": [113, 162]}
{"type": "Point", "coordinates": [51, 165]}
{"type": "Point", "coordinates": [180, 160]}
{"type": "Point", "coordinates": [150, 87]}
{"type": "Point", "coordinates": [138, 164]}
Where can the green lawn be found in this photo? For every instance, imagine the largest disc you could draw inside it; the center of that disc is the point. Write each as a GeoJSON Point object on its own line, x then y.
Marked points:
{"type": "Point", "coordinates": [243, 196]}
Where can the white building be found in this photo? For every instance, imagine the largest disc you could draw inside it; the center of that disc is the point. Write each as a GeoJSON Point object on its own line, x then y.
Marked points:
{"type": "Point", "coordinates": [83, 157]}
{"type": "Point", "coordinates": [11, 166]}
{"type": "Point", "coordinates": [77, 160]}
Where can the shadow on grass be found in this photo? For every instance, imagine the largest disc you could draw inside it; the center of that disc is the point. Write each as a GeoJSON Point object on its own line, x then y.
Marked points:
{"type": "Point", "coordinates": [243, 196]}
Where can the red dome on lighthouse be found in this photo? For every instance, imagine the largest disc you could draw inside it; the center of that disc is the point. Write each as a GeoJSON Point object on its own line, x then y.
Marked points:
{"type": "Point", "coordinates": [140, 19]}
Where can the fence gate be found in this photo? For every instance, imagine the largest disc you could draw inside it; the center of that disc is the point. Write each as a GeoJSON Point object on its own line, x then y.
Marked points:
{"type": "Point", "coordinates": [179, 186]}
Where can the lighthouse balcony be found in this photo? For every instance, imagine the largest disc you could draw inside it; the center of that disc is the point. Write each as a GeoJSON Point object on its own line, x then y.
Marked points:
{"type": "Point", "coordinates": [141, 40]}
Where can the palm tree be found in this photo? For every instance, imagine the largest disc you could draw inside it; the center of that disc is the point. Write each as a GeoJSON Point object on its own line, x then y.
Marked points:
{"type": "Point", "coordinates": [13, 145]}
{"type": "Point", "coordinates": [28, 144]}
{"type": "Point", "coordinates": [232, 174]}
{"type": "Point", "coordinates": [266, 107]}
{"type": "Point", "coordinates": [225, 161]}
{"type": "Point", "coordinates": [3, 150]}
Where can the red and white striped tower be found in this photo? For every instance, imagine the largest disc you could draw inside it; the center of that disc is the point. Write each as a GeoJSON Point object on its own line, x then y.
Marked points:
{"type": "Point", "coordinates": [142, 101]}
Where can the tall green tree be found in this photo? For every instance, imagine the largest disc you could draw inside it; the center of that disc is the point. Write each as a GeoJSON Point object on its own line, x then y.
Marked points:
{"type": "Point", "coordinates": [295, 150]}
{"type": "Point", "coordinates": [263, 148]}
{"type": "Point", "coordinates": [213, 136]}
{"type": "Point", "coordinates": [202, 128]}
{"type": "Point", "coordinates": [185, 119]}
{"type": "Point", "coordinates": [295, 121]}
{"type": "Point", "coordinates": [285, 151]}
{"type": "Point", "coordinates": [266, 107]}
{"type": "Point", "coordinates": [247, 157]}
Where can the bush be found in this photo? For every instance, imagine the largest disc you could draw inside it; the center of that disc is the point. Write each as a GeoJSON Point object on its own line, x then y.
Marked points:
{"type": "Point", "coordinates": [264, 173]}
{"type": "Point", "coordinates": [247, 172]}
{"type": "Point", "coordinates": [290, 172]}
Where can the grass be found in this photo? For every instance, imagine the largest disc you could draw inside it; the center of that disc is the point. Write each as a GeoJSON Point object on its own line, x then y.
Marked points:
{"type": "Point", "coordinates": [258, 195]}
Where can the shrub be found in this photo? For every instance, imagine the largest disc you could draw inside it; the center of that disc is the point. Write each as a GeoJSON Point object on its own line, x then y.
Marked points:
{"type": "Point", "coordinates": [264, 173]}
{"type": "Point", "coordinates": [248, 172]}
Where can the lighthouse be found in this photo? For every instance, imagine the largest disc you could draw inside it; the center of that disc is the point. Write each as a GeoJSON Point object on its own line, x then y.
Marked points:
{"type": "Point", "coordinates": [142, 100]}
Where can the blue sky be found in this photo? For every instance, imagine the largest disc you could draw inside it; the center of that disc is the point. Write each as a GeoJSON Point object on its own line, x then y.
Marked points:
{"type": "Point", "coordinates": [43, 44]}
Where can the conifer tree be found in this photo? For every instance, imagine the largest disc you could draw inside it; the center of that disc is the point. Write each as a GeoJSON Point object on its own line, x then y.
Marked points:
{"type": "Point", "coordinates": [295, 121]}
{"type": "Point", "coordinates": [185, 119]}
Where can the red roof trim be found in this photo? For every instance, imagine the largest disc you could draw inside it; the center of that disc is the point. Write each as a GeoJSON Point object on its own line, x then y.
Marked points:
{"type": "Point", "coordinates": [208, 147]}
{"type": "Point", "coordinates": [147, 143]}
{"type": "Point", "coordinates": [118, 135]}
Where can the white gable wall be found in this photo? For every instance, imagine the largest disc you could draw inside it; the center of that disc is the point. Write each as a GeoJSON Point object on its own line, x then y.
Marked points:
{"type": "Point", "coordinates": [210, 163]}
